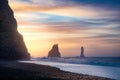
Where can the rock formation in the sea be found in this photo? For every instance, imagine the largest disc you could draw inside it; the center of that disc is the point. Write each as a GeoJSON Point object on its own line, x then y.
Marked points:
{"type": "Point", "coordinates": [82, 52]}
{"type": "Point", "coordinates": [54, 52]}
{"type": "Point", "coordinates": [12, 46]}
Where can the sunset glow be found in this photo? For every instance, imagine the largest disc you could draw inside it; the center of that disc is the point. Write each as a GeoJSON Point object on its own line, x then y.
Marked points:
{"type": "Point", "coordinates": [71, 24]}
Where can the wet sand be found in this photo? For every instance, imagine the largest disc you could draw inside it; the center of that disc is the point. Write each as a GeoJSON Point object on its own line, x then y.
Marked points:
{"type": "Point", "coordinates": [11, 70]}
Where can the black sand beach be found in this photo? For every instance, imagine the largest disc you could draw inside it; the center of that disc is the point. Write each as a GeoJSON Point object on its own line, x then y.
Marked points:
{"type": "Point", "coordinates": [12, 70]}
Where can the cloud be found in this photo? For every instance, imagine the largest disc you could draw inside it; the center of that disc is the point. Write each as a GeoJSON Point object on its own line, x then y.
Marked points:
{"type": "Point", "coordinates": [64, 8]}
{"type": "Point", "coordinates": [68, 22]}
{"type": "Point", "coordinates": [107, 4]}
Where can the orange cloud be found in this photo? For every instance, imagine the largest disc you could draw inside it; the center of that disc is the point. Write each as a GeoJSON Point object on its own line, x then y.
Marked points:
{"type": "Point", "coordinates": [69, 10]}
{"type": "Point", "coordinates": [39, 37]}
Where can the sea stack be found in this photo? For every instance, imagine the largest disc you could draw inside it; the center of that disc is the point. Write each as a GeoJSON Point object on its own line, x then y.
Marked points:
{"type": "Point", "coordinates": [54, 52]}
{"type": "Point", "coordinates": [12, 46]}
{"type": "Point", "coordinates": [82, 52]}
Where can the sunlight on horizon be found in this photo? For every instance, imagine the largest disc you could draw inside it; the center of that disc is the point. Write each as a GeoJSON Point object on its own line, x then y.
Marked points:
{"type": "Point", "coordinates": [69, 24]}
{"type": "Point", "coordinates": [39, 44]}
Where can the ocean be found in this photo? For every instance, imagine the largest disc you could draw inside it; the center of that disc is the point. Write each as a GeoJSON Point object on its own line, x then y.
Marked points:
{"type": "Point", "coordinates": [96, 66]}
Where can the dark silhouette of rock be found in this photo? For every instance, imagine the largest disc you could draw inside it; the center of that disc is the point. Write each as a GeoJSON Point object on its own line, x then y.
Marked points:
{"type": "Point", "coordinates": [82, 52]}
{"type": "Point", "coordinates": [12, 46]}
{"type": "Point", "coordinates": [54, 52]}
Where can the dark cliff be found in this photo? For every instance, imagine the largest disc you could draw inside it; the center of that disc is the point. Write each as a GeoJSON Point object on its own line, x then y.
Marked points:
{"type": "Point", "coordinates": [12, 46]}
{"type": "Point", "coordinates": [54, 52]}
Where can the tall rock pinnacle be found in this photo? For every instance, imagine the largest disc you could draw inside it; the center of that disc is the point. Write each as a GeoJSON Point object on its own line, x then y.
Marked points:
{"type": "Point", "coordinates": [82, 52]}
{"type": "Point", "coordinates": [12, 46]}
{"type": "Point", "coordinates": [54, 52]}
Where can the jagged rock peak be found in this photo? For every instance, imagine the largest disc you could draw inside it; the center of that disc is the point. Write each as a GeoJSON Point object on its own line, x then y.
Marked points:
{"type": "Point", "coordinates": [12, 45]}
{"type": "Point", "coordinates": [54, 52]}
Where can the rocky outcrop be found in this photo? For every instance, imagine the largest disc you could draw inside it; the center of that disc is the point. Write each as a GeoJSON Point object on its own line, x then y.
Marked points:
{"type": "Point", "coordinates": [82, 52]}
{"type": "Point", "coordinates": [12, 45]}
{"type": "Point", "coordinates": [54, 52]}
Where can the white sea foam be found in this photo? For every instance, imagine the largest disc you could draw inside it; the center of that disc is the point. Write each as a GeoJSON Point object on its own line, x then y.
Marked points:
{"type": "Point", "coordinates": [72, 65]}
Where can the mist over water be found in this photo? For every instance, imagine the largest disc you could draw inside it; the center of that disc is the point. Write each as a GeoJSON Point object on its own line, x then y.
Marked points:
{"type": "Point", "coordinates": [103, 67]}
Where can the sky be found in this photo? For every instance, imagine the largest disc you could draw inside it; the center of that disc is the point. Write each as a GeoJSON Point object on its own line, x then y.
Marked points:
{"type": "Point", "coordinates": [94, 24]}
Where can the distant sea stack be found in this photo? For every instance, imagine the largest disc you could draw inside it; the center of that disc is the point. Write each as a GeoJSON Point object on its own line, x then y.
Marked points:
{"type": "Point", "coordinates": [82, 52]}
{"type": "Point", "coordinates": [12, 46]}
{"type": "Point", "coordinates": [54, 52]}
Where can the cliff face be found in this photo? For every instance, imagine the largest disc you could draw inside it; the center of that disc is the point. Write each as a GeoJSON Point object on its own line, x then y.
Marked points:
{"type": "Point", "coordinates": [54, 52]}
{"type": "Point", "coordinates": [12, 45]}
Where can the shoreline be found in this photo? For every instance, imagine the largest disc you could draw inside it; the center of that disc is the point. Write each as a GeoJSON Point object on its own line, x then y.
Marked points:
{"type": "Point", "coordinates": [30, 71]}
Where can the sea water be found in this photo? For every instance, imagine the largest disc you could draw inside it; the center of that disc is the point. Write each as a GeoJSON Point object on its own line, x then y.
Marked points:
{"type": "Point", "coordinates": [103, 67]}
